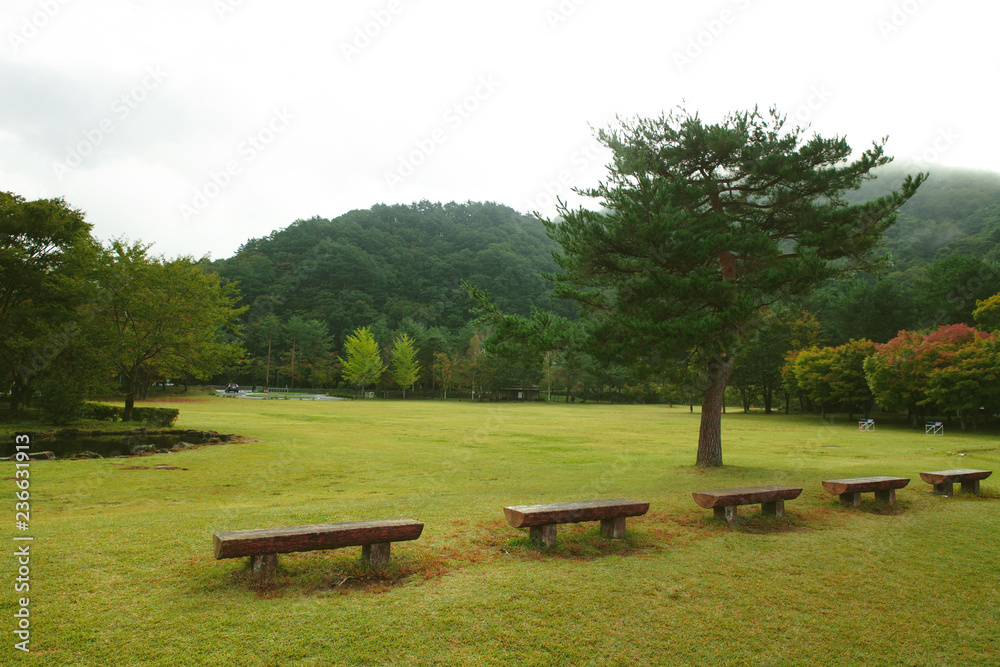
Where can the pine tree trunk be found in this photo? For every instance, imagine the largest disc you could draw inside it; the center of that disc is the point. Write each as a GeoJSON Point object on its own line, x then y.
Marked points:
{"type": "Point", "coordinates": [710, 435]}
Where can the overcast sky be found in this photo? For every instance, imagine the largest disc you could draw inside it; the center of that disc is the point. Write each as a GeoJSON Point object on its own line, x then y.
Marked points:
{"type": "Point", "coordinates": [198, 124]}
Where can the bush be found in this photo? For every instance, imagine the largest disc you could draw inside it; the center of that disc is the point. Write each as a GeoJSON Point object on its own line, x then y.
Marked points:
{"type": "Point", "coordinates": [101, 412]}
{"type": "Point", "coordinates": [114, 413]}
{"type": "Point", "coordinates": [59, 401]}
{"type": "Point", "coordinates": [155, 416]}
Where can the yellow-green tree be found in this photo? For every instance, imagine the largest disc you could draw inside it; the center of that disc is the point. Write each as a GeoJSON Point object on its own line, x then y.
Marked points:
{"type": "Point", "coordinates": [363, 363]}
{"type": "Point", "coordinates": [403, 362]}
{"type": "Point", "coordinates": [987, 313]}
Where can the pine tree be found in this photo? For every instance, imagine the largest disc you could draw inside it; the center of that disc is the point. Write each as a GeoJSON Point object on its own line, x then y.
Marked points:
{"type": "Point", "coordinates": [705, 226]}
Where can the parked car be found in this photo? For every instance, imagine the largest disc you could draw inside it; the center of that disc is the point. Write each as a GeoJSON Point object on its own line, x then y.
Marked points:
{"type": "Point", "coordinates": [232, 388]}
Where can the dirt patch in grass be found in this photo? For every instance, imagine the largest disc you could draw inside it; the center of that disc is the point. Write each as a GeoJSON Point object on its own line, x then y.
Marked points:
{"type": "Point", "coordinates": [681, 528]}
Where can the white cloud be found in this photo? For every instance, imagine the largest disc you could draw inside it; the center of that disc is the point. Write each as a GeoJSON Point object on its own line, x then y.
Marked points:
{"type": "Point", "coordinates": [229, 64]}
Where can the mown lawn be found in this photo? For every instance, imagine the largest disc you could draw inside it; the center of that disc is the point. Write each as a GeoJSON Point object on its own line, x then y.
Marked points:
{"type": "Point", "coordinates": [122, 571]}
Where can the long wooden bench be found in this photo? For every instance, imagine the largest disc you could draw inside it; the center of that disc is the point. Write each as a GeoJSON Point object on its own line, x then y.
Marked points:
{"type": "Point", "coordinates": [850, 490]}
{"type": "Point", "coordinates": [541, 520]}
{"type": "Point", "coordinates": [725, 501]}
{"type": "Point", "coordinates": [264, 545]}
{"type": "Point", "coordinates": [944, 480]}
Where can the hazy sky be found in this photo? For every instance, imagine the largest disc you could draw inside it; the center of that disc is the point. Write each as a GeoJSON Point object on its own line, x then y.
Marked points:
{"type": "Point", "coordinates": [198, 124]}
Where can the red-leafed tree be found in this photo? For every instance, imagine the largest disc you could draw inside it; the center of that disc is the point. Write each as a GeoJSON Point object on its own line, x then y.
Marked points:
{"type": "Point", "coordinates": [970, 380]}
{"type": "Point", "coordinates": [916, 371]}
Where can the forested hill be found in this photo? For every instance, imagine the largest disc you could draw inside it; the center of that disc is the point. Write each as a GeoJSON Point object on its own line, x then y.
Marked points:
{"type": "Point", "coordinates": [956, 211]}
{"type": "Point", "coordinates": [400, 261]}
{"type": "Point", "coordinates": [945, 251]}
{"type": "Point", "coordinates": [405, 262]}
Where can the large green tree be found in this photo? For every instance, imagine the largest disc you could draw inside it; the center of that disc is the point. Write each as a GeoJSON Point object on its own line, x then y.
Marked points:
{"type": "Point", "coordinates": [161, 318]}
{"type": "Point", "coordinates": [704, 225]}
{"type": "Point", "coordinates": [47, 257]}
{"type": "Point", "coordinates": [835, 376]}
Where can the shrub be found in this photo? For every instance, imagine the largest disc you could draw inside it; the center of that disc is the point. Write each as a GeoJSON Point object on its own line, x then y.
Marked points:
{"type": "Point", "coordinates": [60, 401]}
{"type": "Point", "coordinates": [101, 412]}
{"type": "Point", "coordinates": [156, 416]}
{"type": "Point", "coordinates": [114, 413]}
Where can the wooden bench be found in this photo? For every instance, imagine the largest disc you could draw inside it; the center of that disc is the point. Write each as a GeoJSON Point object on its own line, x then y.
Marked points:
{"type": "Point", "coordinates": [943, 480]}
{"type": "Point", "coordinates": [725, 501]}
{"type": "Point", "coordinates": [264, 545]}
{"type": "Point", "coordinates": [850, 490]}
{"type": "Point", "coordinates": [541, 520]}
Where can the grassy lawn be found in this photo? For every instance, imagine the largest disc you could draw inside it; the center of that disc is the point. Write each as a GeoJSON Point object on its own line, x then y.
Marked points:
{"type": "Point", "coordinates": [122, 571]}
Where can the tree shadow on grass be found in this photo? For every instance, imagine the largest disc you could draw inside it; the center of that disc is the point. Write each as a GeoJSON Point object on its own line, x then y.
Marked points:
{"type": "Point", "coordinates": [876, 508]}
{"type": "Point", "coordinates": [755, 523]}
{"type": "Point", "coordinates": [581, 542]}
{"type": "Point", "coordinates": [984, 495]}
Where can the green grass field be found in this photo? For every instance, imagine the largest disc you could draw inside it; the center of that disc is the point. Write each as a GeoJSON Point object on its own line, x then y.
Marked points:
{"type": "Point", "coordinates": [122, 571]}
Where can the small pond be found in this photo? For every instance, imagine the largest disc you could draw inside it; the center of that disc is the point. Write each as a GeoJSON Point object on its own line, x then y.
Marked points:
{"type": "Point", "coordinates": [96, 444]}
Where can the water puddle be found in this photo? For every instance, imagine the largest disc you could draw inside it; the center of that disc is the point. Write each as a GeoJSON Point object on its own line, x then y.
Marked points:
{"type": "Point", "coordinates": [68, 444]}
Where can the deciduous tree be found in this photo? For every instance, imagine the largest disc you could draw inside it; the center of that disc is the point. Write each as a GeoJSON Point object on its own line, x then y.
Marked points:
{"type": "Point", "coordinates": [162, 318]}
{"type": "Point", "coordinates": [987, 313]}
{"type": "Point", "coordinates": [403, 362]}
{"type": "Point", "coordinates": [363, 363]}
{"type": "Point", "coordinates": [970, 380]}
{"type": "Point", "coordinates": [47, 259]}
{"type": "Point", "coordinates": [901, 372]}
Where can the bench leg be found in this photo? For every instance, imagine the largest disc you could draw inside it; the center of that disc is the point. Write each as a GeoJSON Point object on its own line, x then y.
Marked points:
{"type": "Point", "coordinates": [887, 496]}
{"type": "Point", "coordinates": [264, 565]}
{"type": "Point", "coordinates": [543, 536]}
{"type": "Point", "coordinates": [613, 528]}
{"type": "Point", "coordinates": [944, 488]}
{"type": "Point", "coordinates": [775, 509]}
{"type": "Point", "coordinates": [377, 555]}
{"type": "Point", "coordinates": [970, 486]}
{"type": "Point", "coordinates": [728, 513]}
{"type": "Point", "coordinates": [852, 499]}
